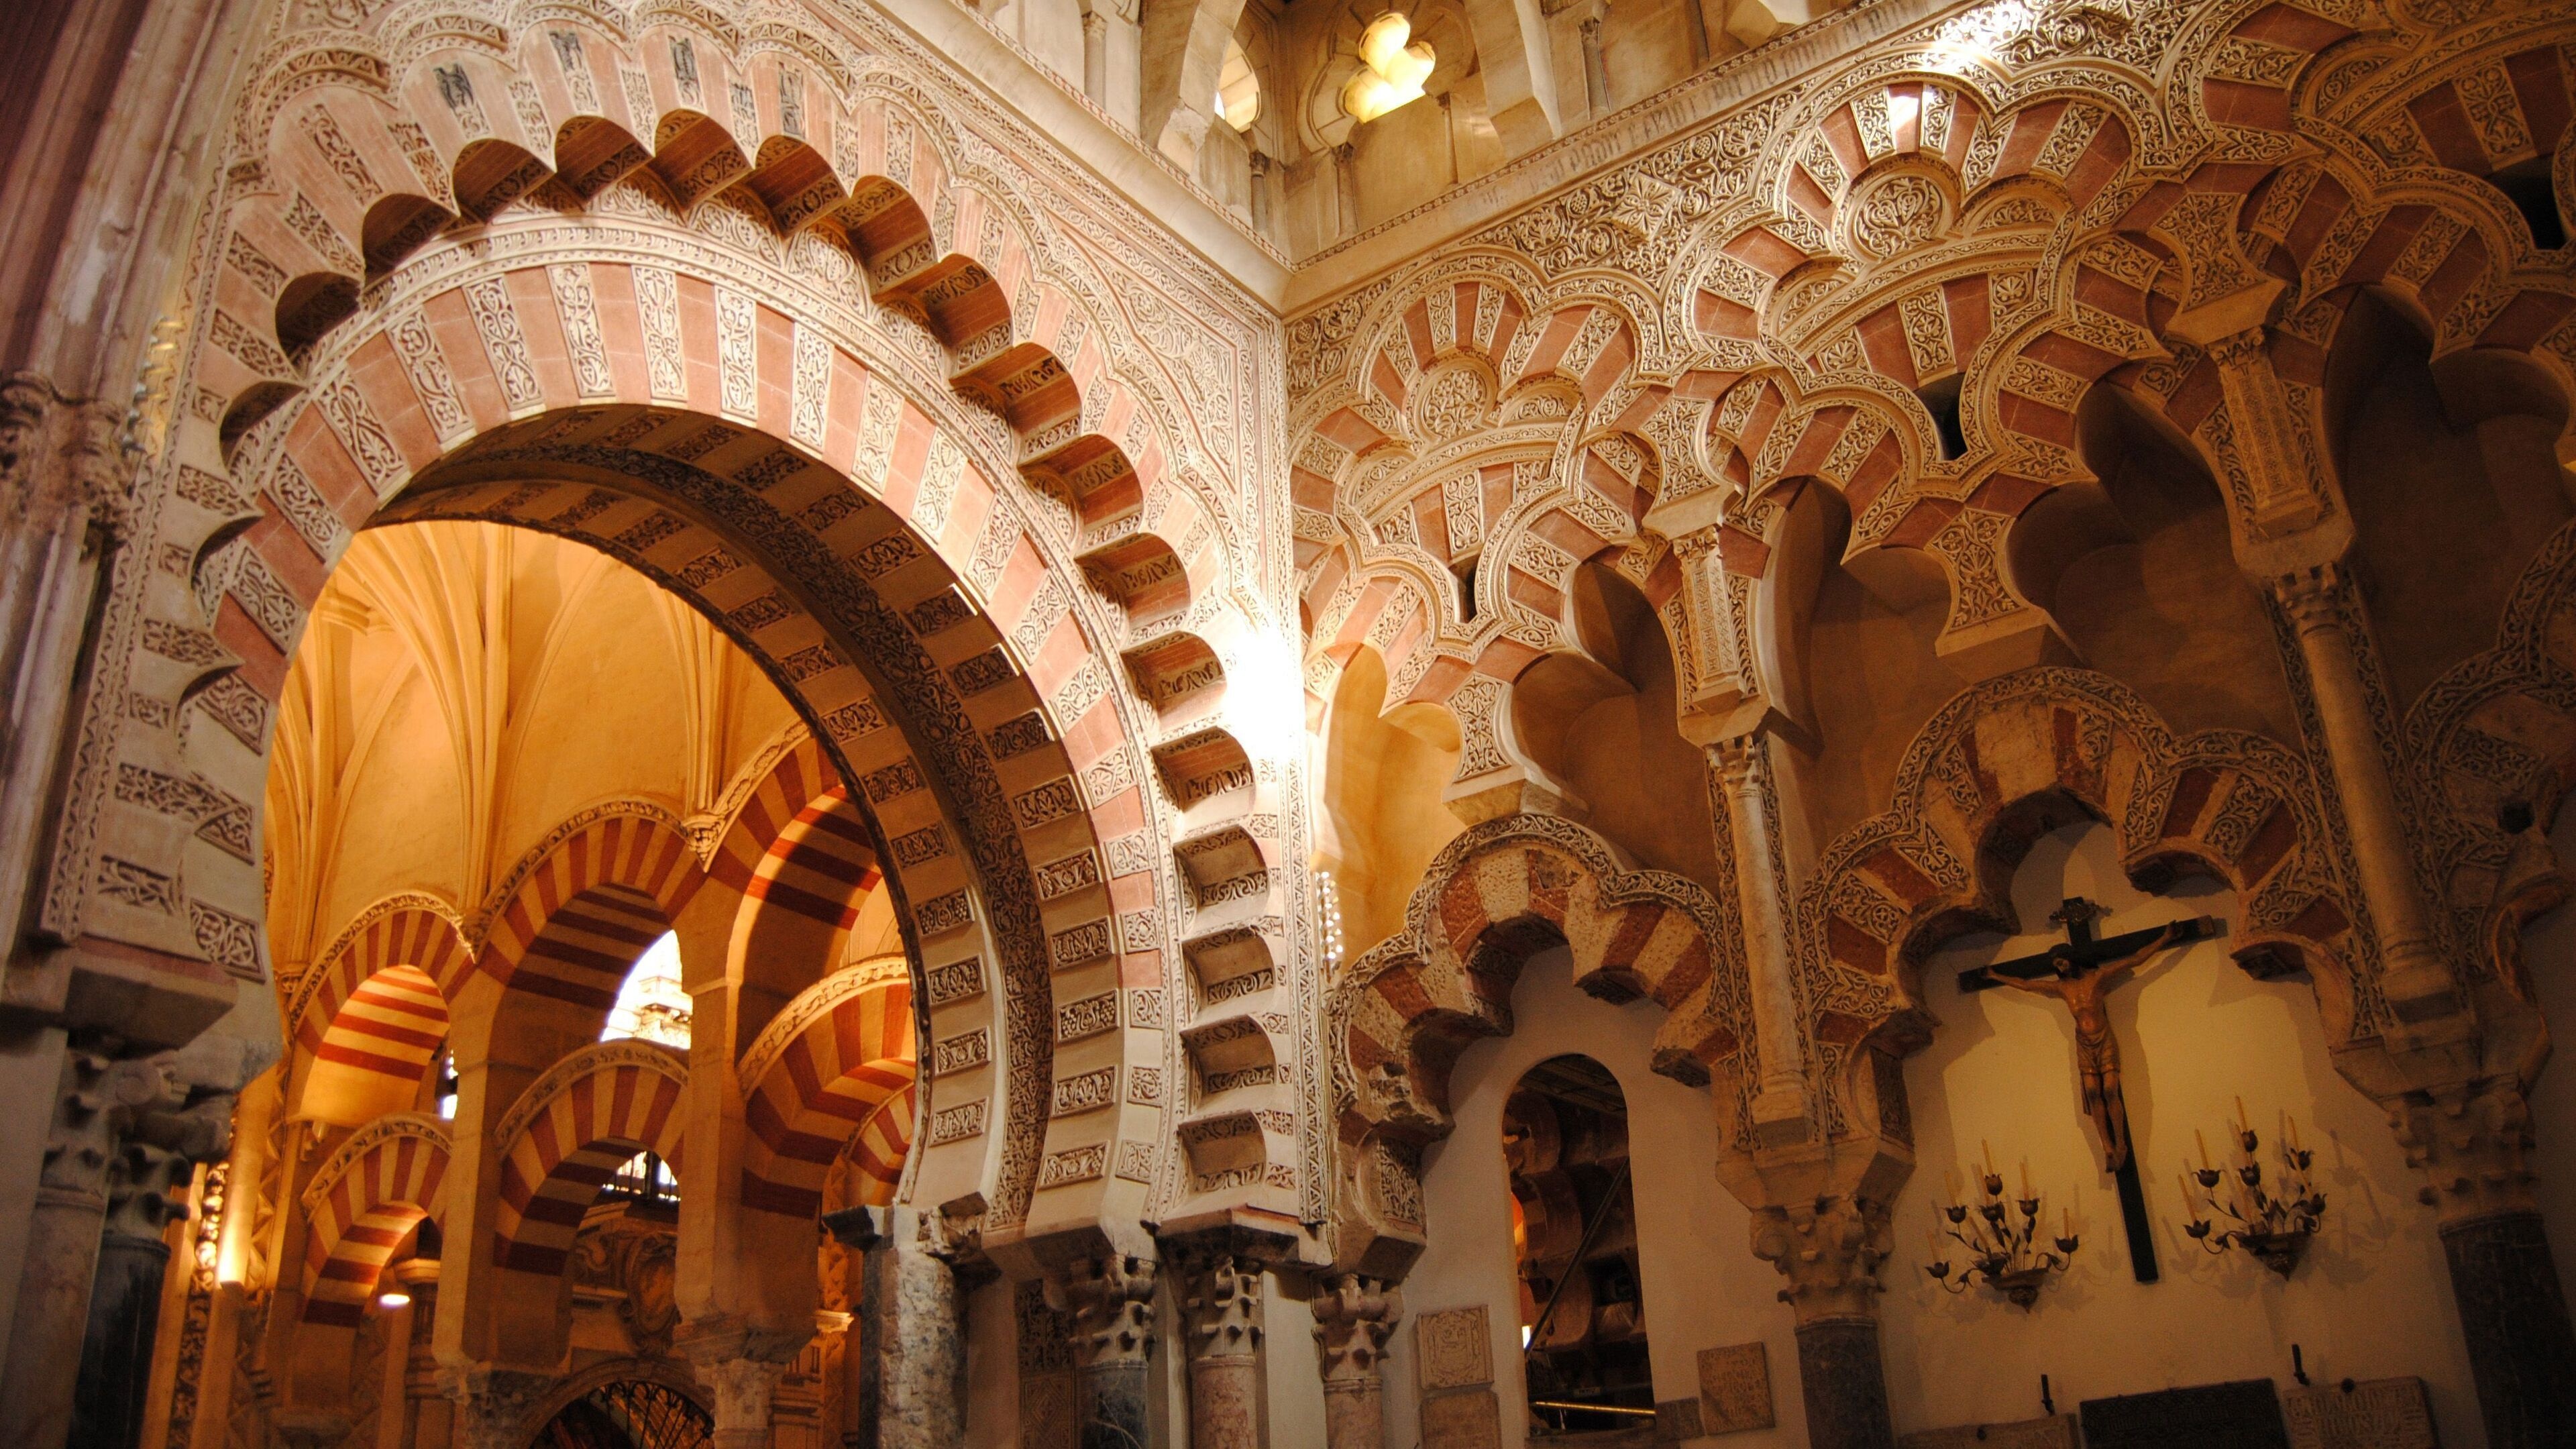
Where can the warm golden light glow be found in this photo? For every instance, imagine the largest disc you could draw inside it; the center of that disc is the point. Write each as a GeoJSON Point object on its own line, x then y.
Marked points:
{"type": "Point", "coordinates": [1238, 90]}
{"type": "Point", "coordinates": [1391, 71]}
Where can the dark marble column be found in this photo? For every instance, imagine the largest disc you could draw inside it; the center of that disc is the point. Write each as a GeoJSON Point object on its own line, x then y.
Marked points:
{"type": "Point", "coordinates": [1829, 1251]}
{"type": "Point", "coordinates": [1354, 1317]}
{"type": "Point", "coordinates": [911, 1351]}
{"type": "Point", "coordinates": [2473, 1145]}
{"type": "Point", "coordinates": [1112, 1299]}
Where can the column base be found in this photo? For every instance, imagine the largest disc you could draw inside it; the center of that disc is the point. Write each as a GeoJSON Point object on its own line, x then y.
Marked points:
{"type": "Point", "coordinates": [1844, 1384]}
{"type": "Point", "coordinates": [2513, 1315]}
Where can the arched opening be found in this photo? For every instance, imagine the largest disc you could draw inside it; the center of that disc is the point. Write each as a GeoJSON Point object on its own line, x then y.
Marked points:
{"type": "Point", "coordinates": [632, 1413]}
{"type": "Point", "coordinates": [2451, 470]}
{"type": "Point", "coordinates": [1574, 1248]}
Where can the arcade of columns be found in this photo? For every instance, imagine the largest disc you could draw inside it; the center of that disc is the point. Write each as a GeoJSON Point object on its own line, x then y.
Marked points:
{"type": "Point", "coordinates": [988, 472]}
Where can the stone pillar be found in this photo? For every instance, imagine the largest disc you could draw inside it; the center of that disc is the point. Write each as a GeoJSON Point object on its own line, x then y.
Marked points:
{"type": "Point", "coordinates": [429, 1418]}
{"type": "Point", "coordinates": [1112, 1300]}
{"type": "Point", "coordinates": [494, 1405]}
{"type": "Point", "coordinates": [1354, 1317]}
{"type": "Point", "coordinates": [2416, 979]}
{"type": "Point", "coordinates": [1830, 1251]}
{"type": "Point", "coordinates": [741, 1366]}
{"type": "Point", "coordinates": [910, 1354]}
{"type": "Point", "coordinates": [2473, 1144]}
{"type": "Point", "coordinates": [1221, 1302]}
{"type": "Point", "coordinates": [96, 1098]}
{"type": "Point", "coordinates": [1742, 769]}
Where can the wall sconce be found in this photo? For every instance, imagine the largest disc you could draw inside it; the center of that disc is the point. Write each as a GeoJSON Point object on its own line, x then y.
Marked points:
{"type": "Point", "coordinates": [1391, 72]}
{"type": "Point", "coordinates": [2001, 1237]}
{"type": "Point", "coordinates": [2275, 1223]}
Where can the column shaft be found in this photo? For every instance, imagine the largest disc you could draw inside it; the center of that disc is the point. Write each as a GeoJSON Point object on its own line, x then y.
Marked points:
{"type": "Point", "coordinates": [1354, 1317]}
{"type": "Point", "coordinates": [1742, 767]}
{"type": "Point", "coordinates": [2418, 983]}
{"type": "Point", "coordinates": [1844, 1384]}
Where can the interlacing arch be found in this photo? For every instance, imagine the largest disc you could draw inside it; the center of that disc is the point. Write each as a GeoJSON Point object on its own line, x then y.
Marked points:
{"type": "Point", "coordinates": [2004, 763]}
{"type": "Point", "coordinates": [360, 1206]}
{"type": "Point", "coordinates": [568, 1134]}
{"type": "Point", "coordinates": [1498, 894]}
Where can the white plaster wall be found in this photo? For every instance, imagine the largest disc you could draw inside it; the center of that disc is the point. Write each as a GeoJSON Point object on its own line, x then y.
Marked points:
{"type": "Point", "coordinates": [1293, 1379]}
{"type": "Point", "coordinates": [1703, 1286]}
{"type": "Point", "coordinates": [2372, 1298]}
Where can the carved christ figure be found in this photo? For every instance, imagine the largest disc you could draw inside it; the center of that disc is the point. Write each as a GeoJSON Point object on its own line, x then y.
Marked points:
{"type": "Point", "coordinates": [2084, 988]}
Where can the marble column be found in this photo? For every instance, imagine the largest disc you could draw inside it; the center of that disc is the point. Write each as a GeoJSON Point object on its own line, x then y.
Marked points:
{"type": "Point", "coordinates": [1354, 1317]}
{"type": "Point", "coordinates": [494, 1406]}
{"type": "Point", "coordinates": [909, 1356]}
{"type": "Point", "coordinates": [1112, 1301]}
{"type": "Point", "coordinates": [1749, 799]}
{"type": "Point", "coordinates": [1221, 1305]}
{"type": "Point", "coordinates": [96, 1099]}
{"type": "Point", "coordinates": [2473, 1145]}
{"type": "Point", "coordinates": [1830, 1251]}
{"type": "Point", "coordinates": [2416, 979]}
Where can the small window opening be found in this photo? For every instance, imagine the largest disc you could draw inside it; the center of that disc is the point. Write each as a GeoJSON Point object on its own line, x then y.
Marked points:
{"type": "Point", "coordinates": [1941, 399]}
{"type": "Point", "coordinates": [643, 1178]}
{"type": "Point", "coordinates": [1465, 569]}
{"type": "Point", "coordinates": [1574, 1236]}
{"type": "Point", "coordinates": [652, 1005]}
{"type": "Point", "coordinates": [2528, 186]}
{"type": "Point", "coordinates": [442, 1069]}
{"type": "Point", "coordinates": [1238, 90]}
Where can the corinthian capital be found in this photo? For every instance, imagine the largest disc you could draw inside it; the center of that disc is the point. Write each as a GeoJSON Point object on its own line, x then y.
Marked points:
{"type": "Point", "coordinates": [1829, 1250]}
{"type": "Point", "coordinates": [1354, 1317]}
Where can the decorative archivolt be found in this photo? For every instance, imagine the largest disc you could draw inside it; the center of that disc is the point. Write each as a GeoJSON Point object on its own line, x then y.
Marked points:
{"type": "Point", "coordinates": [2000, 765]}
{"type": "Point", "coordinates": [1496, 895]}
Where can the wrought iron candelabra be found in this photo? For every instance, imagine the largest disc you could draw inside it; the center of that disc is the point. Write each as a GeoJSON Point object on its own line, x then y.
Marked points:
{"type": "Point", "coordinates": [2273, 1221]}
{"type": "Point", "coordinates": [2001, 1237]}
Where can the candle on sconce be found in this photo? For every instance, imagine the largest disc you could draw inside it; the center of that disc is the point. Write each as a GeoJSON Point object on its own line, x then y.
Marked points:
{"type": "Point", "coordinates": [1990, 1155]}
{"type": "Point", "coordinates": [2203, 1139]}
{"type": "Point", "coordinates": [2243, 1122]}
{"type": "Point", "coordinates": [2025, 1179]}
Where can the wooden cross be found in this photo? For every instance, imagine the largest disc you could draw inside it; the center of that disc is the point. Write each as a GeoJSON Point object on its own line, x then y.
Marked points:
{"type": "Point", "coordinates": [2081, 974]}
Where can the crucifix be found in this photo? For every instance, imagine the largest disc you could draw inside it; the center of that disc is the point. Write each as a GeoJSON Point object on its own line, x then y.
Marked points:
{"type": "Point", "coordinates": [2082, 974]}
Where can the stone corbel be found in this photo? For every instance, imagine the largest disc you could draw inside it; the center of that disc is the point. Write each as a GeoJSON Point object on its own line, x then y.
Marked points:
{"type": "Point", "coordinates": [1496, 776]}
{"type": "Point", "coordinates": [2260, 434]}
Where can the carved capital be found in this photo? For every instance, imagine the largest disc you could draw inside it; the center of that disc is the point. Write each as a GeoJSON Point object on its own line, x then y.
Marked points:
{"type": "Point", "coordinates": [1354, 1318]}
{"type": "Point", "coordinates": [2473, 1144]}
{"type": "Point", "coordinates": [2312, 597]}
{"type": "Point", "coordinates": [740, 1364]}
{"type": "Point", "coordinates": [1740, 764]}
{"type": "Point", "coordinates": [1112, 1302]}
{"type": "Point", "coordinates": [493, 1405]}
{"type": "Point", "coordinates": [1222, 1298]}
{"type": "Point", "coordinates": [1829, 1250]}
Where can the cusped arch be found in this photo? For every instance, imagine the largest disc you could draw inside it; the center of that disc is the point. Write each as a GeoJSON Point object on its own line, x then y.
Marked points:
{"type": "Point", "coordinates": [1499, 893]}
{"type": "Point", "coordinates": [2007, 761]}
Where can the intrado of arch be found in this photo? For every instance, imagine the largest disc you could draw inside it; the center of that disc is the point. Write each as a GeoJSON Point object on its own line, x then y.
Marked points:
{"type": "Point", "coordinates": [379, 1186]}
{"type": "Point", "coordinates": [568, 1134]}
{"type": "Point", "coordinates": [367, 1019]}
